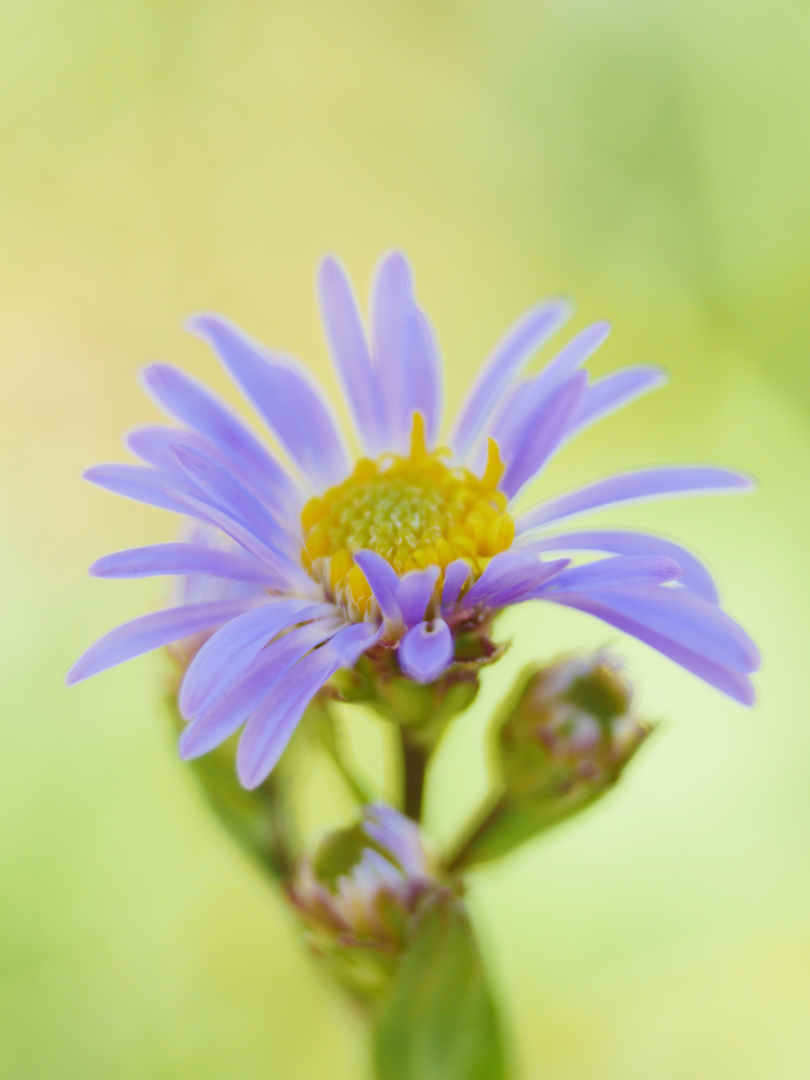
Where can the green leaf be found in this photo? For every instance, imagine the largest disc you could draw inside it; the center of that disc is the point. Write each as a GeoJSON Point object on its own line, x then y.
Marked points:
{"type": "Point", "coordinates": [438, 1020]}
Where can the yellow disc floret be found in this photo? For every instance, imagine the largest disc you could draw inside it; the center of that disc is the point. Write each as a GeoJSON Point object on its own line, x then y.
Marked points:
{"type": "Point", "coordinates": [414, 511]}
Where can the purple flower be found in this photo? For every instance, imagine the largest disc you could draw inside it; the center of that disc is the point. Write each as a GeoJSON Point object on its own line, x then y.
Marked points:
{"type": "Point", "coordinates": [292, 572]}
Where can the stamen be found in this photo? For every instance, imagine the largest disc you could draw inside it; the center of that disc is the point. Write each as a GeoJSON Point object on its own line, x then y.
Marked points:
{"type": "Point", "coordinates": [415, 511]}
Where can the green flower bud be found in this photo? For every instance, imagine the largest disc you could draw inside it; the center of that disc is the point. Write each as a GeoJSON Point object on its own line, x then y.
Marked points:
{"type": "Point", "coordinates": [568, 725]}
{"type": "Point", "coordinates": [562, 739]}
{"type": "Point", "coordinates": [361, 896]}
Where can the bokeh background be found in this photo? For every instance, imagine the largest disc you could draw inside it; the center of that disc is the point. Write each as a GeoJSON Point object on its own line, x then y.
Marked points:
{"type": "Point", "coordinates": [649, 159]}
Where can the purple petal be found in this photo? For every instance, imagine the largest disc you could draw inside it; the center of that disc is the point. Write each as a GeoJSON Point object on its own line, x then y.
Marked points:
{"type": "Point", "coordinates": [287, 577]}
{"type": "Point", "coordinates": [643, 484]}
{"type": "Point", "coordinates": [616, 572]}
{"type": "Point", "coordinates": [350, 352]}
{"type": "Point", "coordinates": [508, 577]}
{"type": "Point", "coordinates": [543, 432]}
{"type": "Point", "coordinates": [350, 644]}
{"type": "Point", "coordinates": [423, 372]}
{"type": "Point", "coordinates": [159, 559]}
{"type": "Point", "coordinates": [155, 444]}
{"type": "Point", "coordinates": [679, 616]}
{"type": "Point", "coordinates": [426, 651]}
{"type": "Point", "coordinates": [526, 398]}
{"type": "Point", "coordinates": [396, 834]}
{"type": "Point", "coordinates": [506, 361]}
{"type": "Point", "coordinates": [232, 649]}
{"type": "Point", "coordinates": [229, 495]}
{"type": "Point", "coordinates": [383, 580]}
{"type": "Point", "coordinates": [695, 575]}
{"type": "Point", "coordinates": [136, 482]}
{"type": "Point", "coordinates": [392, 306]}
{"type": "Point", "coordinates": [271, 726]}
{"type": "Point", "coordinates": [455, 576]}
{"type": "Point", "coordinates": [193, 404]}
{"type": "Point", "coordinates": [283, 395]}
{"type": "Point", "coordinates": [572, 356]}
{"type": "Point", "coordinates": [727, 679]}
{"type": "Point", "coordinates": [152, 631]}
{"type": "Point", "coordinates": [269, 668]}
{"type": "Point", "coordinates": [414, 593]}
{"type": "Point", "coordinates": [615, 391]}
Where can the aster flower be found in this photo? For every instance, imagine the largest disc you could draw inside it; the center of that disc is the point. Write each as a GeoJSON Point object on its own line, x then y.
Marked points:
{"type": "Point", "coordinates": [294, 571]}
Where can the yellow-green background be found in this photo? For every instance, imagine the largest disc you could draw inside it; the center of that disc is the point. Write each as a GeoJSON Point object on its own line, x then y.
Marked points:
{"type": "Point", "coordinates": [649, 159]}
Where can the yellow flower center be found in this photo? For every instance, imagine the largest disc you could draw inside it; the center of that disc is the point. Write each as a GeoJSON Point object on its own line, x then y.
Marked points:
{"type": "Point", "coordinates": [414, 511]}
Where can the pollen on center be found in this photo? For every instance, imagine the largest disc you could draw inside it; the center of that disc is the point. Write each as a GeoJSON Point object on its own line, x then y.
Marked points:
{"type": "Point", "coordinates": [414, 511]}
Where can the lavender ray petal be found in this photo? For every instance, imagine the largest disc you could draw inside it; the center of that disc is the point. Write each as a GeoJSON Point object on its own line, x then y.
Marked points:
{"type": "Point", "coordinates": [642, 484]}
{"type": "Point", "coordinates": [383, 580]}
{"type": "Point", "coordinates": [423, 372]}
{"type": "Point", "coordinates": [271, 726]}
{"type": "Point", "coordinates": [350, 352]}
{"type": "Point", "coordinates": [232, 649]}
{"type": "Point", "coordinates": [288, 578]}
{"type": "Point", "coordinates": [615, 572]}
{"type": "Point", "coordinates": [284, 396]}
{"type": "Point", "coordinates": [351, 642]}
{"type": "Point", "coordinates": [155, 444]}
{"type": "Point", "coordinates": [398, 834]}
{"type": "Point", "coordinates": [680, 616]}
{"type": "Point", "coordinates": [152, 631]}
{"type": "Point", "coordinates": [426, 651]}
{"type": "Point", "coordinates": [455, 576]}
{"type": "Point", "coordinates": [159, 559]}
{"type": "Point", "coordinates": [695, 576]}
{"type": "Point", "coordinates": [543, 433]}
{"type": "Point", "coordinates": [613, 392]}
{"type": "Point", "coordinates": [509, 576]}
{"type": "Point", "coordinates": [193, 404]}
{"type": "Point", "coordinates": [229, 495]}
{"type": "Point", "coordinates": [729, 680]}
{"type": "Point", "coordinates": [526, 398]}
{"type": "Point", "coordinates": [572, 356]}
{"type": "Point", "coordinates": [268, 669]}
{"type": "Point", "coordinates": [391, 308]}
{"type": "Point", "coordinates": [414, 592]}
{"type": "Point", "coordinates": [142, 484]}
{"type": "Point", "coordinates": [505, 362]}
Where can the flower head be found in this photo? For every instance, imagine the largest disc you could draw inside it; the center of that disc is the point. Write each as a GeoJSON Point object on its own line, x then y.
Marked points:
{"type": "Point", "coordinates": [570, 725]}
{"type": "Point", "coordinates": [296, 570]}
{"type": "Point", "coordinates": [361, 893]}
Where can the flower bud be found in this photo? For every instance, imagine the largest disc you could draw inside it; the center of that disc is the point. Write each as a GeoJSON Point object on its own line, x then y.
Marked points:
{"type": "Point", "coordinates": [361, 895]}
{"type": "Point", "coordinates": [563, 738]}
{"type": "Point", "coordinates": [568, 725]}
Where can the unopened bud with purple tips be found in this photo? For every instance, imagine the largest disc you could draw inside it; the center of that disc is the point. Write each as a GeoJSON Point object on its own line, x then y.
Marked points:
{"type": "Point", "coordinates": [562, 739]}
{"type": "Point", "coordinates": [361, 895]}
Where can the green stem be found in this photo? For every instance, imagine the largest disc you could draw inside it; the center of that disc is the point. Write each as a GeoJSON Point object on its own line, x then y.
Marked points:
{"type": "Point", "coordinates": [487, 816]}
{"type": "Point", "coordinates": [414, 767]}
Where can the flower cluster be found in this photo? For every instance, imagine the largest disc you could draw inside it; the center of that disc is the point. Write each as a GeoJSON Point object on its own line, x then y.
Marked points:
{"type": "Point", "coordinates": [293, 572]}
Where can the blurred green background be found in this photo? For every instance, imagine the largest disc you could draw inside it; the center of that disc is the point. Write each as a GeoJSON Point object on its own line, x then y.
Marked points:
{"type": "Point", "coordinates": [170, 155]}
